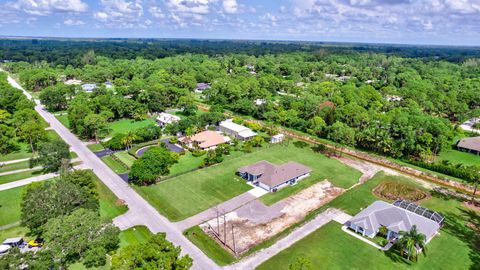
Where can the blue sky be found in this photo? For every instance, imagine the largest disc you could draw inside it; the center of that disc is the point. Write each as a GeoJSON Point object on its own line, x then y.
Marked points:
{"type": "Point", "coordinates": [451, 22]}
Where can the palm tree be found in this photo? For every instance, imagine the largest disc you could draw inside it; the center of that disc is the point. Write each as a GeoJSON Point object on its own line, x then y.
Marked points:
{"type": "Point", "coordinates": [411, 242]}
{"type": "Point", "coordinates": [128, 140]}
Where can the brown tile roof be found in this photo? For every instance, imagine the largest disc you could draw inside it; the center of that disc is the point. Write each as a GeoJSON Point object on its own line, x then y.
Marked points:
{"type": "Point", "coordinates": [273, 175]}
{"type": "Point", "coordinates": [206, 139]}
{"type": "Point", "coordinates": [470, 143]}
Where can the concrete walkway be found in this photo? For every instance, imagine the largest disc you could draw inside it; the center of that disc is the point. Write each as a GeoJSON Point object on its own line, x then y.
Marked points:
{"type": "Point", "coordinates": [27, 181]}
{"type": "Point", "coordinates": [141, 212]}
{"type": "Point", "coordinates": [14, 161]}
{"type": "Point", "coordinates": [251, 262]}
{"type": "Point", "coordinates": [220, 209]}
{"type": "Point", "coordinates": [21, 170]}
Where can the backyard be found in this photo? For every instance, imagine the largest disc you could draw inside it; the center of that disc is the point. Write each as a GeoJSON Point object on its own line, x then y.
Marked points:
{"type": "Point", "coordinates": [125, 125]}
{"type": "Point", "coordinates": [454, 248]}
{"type": "Point", "coordinates": [191, 193]}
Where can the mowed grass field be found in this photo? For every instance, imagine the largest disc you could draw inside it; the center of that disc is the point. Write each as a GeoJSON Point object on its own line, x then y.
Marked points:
{"type": "Point", "coordinates": [459, 157]}
{"type": "Point", "coordinates": [10, 200]}
{"type": "Point", "coordinates": [331, 248]}
{"type": "Point", "coordinates": [24, 151]}
{"type": "Point", "coordinates": [126, 158]}
{"type": "Point", "coordinates": [19, 176]}
{"type": "Point", "coordinates": [63, 119]}
{"type": "Point", "coordinates": [125, 125]}
{"type": "Point", "coordinates": [114, 165]}
{"type": "Point", "coordinates": [190, 193]}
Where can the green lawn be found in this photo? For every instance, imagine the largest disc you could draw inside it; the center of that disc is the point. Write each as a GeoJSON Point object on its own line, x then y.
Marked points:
{"type": "Point", "coordinates": [19, 176]}
{"type": "Point", "coordinates": [15, 166]}
{"type": "Point", "coordinates": [191, 193]}
{"type": "Point", "coordinates": [24, 151]}
{"type": "Point", "coordinates": [125, 125]}
{"type": "Point", "coordinates": [209, 246]}
{"type": "Point", "coordinates": [95, 147]}
{"type": "Point", "coordinates": [109, 207]}
{"type": "Point", "coordinates": [186, 163]}
{"type": "Point", "coordinates": [53, 135]}
{"type": "Point", "coordinates": [63, 119]}
{"type": "Point", "coordinates": [459, 157]}
{"type": "Point", "coordinates": [114, 165]}
{"type": "Point", "coordinates": [10, 205]}
{"type": "Point", "coordinates": [134, 235]}
{"type": "Point", "coordinates": [452, 249]}
{"type": "Point", "coordinates": [125, 157]}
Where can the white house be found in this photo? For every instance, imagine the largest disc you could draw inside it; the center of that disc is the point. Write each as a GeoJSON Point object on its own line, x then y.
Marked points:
{"type": "Point", "coordinates": [235, 130]}
{"type": "Point", "coordinates": [89, 87]}
{"type": "Point", "coordinates": [73, 82]}
{"type": "Point", "coordinates": [164, 119]}
{"type": "Point", "coordinates": [277, 138]}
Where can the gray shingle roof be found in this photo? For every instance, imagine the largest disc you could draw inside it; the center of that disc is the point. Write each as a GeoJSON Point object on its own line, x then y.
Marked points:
{"type": "Point", "coordinates": [396, 219]}
{"type": "Point", "coordinates": [472, 143]}
{"type": "Point", "coordinates": [273, 175]}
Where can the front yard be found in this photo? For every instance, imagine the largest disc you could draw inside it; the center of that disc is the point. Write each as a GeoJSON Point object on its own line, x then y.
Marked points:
{"type": "Point", "coordinates": [188, 194]}
{"type": "Point", "coordinates": [332, 248]}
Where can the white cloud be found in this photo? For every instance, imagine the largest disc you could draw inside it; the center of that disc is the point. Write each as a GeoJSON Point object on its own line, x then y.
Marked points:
{"type": "Point", "coordinates": [230, 6]}
{"type": "Point", "coordinates": [121, 13]}
{"type": "Point", "coordinates": [71, 22]}
{"type": "Point", "coordinates": [156, 12]}
{"type": "Point", "coordinates": [190, 6]}
{"type": "Point", "coordinates": [47, 7]}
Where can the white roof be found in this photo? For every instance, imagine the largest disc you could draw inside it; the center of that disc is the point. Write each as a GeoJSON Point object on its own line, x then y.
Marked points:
{"type": "Point", "coordinates": [247, 133]}
{"type": "Point", "coordinates": [14, 240]}
{"type": "Point", "coordinates": [278, 136]}
{"type": "Point", "coordinates": [229, 124]}
{"type": "Point", "coordinates": [4, 248]}
{"type": "Point", "coordinates": [167, 118]}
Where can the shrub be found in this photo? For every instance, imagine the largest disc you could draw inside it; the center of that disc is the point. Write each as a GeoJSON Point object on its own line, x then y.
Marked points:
{"type": "Point", "coordinates": [198, 153]}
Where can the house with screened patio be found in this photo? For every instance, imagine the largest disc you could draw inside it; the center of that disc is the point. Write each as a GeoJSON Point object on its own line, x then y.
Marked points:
{"type": "Point", "coordinates": [399, 216]}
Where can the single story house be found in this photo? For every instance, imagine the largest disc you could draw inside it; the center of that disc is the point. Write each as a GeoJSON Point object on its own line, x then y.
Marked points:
{"type": "Point", "coordinates": [205, 140]}
{"type": "Point", "coordinates": [235, 130]}
{"type": "Point", "coordinates": [471, 145]}
{"type": "Point", "coordinates": [89, 87]}
{"type": "Point", "coordinates": [396, 217]}
{"type": "Point", "coordinates": [73, 82]}
{"type": "Point", "coordinates": [272, 177]}
{"type": "Point", "coordinates": [277, 138]}
{"type": "Point", "coordinates": [202, 87]}
{"type": "Point", "coordinates": [164, 119]}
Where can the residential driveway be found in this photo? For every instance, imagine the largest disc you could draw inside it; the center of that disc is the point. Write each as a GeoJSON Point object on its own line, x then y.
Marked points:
{"type": "Point", "coordinates": [173, 147]}
{"type": "Point", "coordinates": [105, 152]}
{"type": "Point", "coordinates": [342, 218]}
{"type": "Point", "coordinates": [220, 209]}
{"type": "Point", "coordinates": [140, 211]}
{"type": "Point", "coordinates": [251, 262]}
{"type": "Point", "coordinates": [27, 181]}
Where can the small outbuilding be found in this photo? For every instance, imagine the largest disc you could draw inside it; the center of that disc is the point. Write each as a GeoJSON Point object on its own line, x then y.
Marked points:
{"type": "Point", "coordinates": [277, 138]}
{"type": "Point", "coordinates": [471, 145]}
{"type": "Point", "coordinates": [89, 87]}
{"type": "Point", "coordinates": [164, 119]}
{"type": "Point", "coordinates": [235, 130]}
{"type": "Point", "coordinates": [202, 87]}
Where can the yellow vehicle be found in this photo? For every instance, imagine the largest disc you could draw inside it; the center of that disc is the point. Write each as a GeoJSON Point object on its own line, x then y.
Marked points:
{"type": "Point", "coordinates": [35, 243]}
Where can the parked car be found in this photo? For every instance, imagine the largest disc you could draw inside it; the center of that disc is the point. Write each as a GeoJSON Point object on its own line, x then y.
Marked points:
{"type": "Point", "coordinates": [35, 243]}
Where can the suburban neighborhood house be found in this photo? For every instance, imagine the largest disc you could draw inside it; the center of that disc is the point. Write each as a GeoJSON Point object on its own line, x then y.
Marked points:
{"type": "Point", "coordinates": [89, 87]}
{"type": "Point", "coordinates": [164, 119]}
{"type": "Point", "coordinates": [205, 140]}
{"type": "Point", "coordinates": [202, 87]}
{"type": "Point", "coordinates": [273, 177]}
{"type": "Point", "coordinates": [471, 145]}
{"type": "Point", "coordinates": [235, 130]}
{"type": "Point", "coordinates": [399, 216]}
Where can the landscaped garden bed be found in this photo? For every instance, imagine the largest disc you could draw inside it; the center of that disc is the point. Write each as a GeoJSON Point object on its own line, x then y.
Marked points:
{"type": "Point", "coordinates": [392, 190]}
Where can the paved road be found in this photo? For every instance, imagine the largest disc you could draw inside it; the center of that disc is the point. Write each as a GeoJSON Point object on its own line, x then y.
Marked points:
{"type": "Point", "coordinates": [251, 262]}
{"type": "Point", "coordinates": [140, 211]}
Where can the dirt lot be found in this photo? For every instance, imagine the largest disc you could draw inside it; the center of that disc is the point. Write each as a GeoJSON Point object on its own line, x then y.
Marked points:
{"type": "Point", "coordinates": [254, 222]}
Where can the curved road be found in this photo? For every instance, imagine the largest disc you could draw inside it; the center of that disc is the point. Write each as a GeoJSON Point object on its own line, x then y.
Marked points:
{"type": "Point", "coordinates": [140, 211]}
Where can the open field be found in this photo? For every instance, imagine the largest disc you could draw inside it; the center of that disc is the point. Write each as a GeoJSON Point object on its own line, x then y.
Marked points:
{"type": "Point", "coordinates": [186, 163]}
{"type": "Point", "coordinates": [191, 193]}
{"type": "Point", "coordinates": [10, 205]}
{"type": "Point", "coordinates": [19, 176]}
{"type": "Point", "coordinates": [114, 165]}
{"type": "Point", "coordinates": [125, 125]}
{"type": "Point", "coordinates": [16, 231]}
{"type": "Point", "coordinates": [452, 249]}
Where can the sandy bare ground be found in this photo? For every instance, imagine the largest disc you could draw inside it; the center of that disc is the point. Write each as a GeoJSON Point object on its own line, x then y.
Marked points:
{"type": "Point", "coordinates": [254, 222]}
